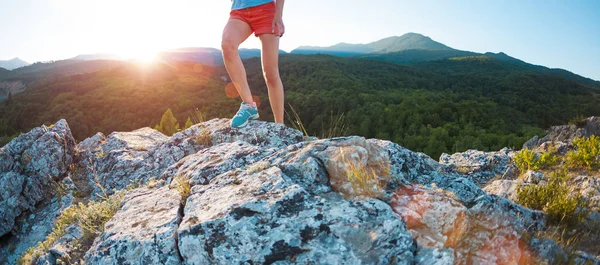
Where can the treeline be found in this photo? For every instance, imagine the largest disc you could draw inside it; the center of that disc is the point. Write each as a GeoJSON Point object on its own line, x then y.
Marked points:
{"type": "Point", "coordinates": [433, 107]}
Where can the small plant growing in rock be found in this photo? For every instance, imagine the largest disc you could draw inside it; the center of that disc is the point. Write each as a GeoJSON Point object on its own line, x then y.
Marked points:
{"type": "Point", "coordinates": [258, 167]}
{"type": "Point", "coordinates": [90, 218]}
{"type": "Point", "coordinates": [204, 138]}
{"type": "Point", "coordinates": [556, 199]}
{"type": "Point", "coordinates": [364, 181]}
{"type": "Point", "coordinates": [100, 154]}
{"type": "Point", "coordinates": [182, 185]}
{"type": "Point", "coordinates": [337, 127]}
{"type": "Point", "coordinates": [586, 153]}
{"type": "Point", "coordinates": [297, 123]}
{"type": "Point", "coordinates": [151, 183]}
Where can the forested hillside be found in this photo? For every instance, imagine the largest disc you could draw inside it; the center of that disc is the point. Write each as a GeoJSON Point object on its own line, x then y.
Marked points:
{"type": "Point", "coordinates": [447, 105]}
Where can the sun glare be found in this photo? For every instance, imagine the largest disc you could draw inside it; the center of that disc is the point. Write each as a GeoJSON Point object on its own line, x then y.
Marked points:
{"type": "Point", "coordinates": [142, 56]}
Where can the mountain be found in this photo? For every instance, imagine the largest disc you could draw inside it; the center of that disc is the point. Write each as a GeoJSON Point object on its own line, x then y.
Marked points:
{"type": "Point", "coordinates": [97, 56]}
{"type": "Point", "coordinates": [4, 72]}
{"type": "Point", "coordinates": [36, 71]}
{"type": "Point", "coordinates": [13, 64]}
{"type": "Point", "coordinates": [408, 41]}
{"type": "Point", "coordinates": [206, 56]}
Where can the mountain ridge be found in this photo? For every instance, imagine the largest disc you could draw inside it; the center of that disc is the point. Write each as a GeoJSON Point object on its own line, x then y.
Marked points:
{"type": "Point", "coordinates": [13, 63]}
{"type": "Point", "coordinates": [408, 41]}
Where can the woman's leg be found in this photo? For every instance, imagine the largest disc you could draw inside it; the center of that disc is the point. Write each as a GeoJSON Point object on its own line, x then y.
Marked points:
{"type": "Point", "coordinates": [236, 31]}
{"type": "Point", "coordinates": [270, 65]}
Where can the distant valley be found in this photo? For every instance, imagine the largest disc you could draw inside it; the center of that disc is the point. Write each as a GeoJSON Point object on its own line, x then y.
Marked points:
{"type": "Point", "coordinates": [409, 89]}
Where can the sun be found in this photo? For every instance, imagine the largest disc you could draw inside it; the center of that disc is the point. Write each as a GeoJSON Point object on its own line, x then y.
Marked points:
{"type": "Point", "coordinates": [139, 54]}
{"type": "Point", "coordinates": [143, 56]}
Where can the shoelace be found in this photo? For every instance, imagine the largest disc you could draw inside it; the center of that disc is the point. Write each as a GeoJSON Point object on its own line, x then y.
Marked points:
{"type": "Point", "coordinates": [243, 109]}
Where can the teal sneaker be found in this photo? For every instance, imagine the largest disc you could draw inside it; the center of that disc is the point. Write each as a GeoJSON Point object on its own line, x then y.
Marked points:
{"type": "Point", "coordinates": [246, 112]}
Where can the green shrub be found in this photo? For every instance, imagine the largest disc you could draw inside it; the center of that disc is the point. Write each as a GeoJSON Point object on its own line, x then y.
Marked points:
{"type": "Point", "coordinates": [556, 199]}
{"type": "Point", "coordinates": [529, 160]}
{"type": "Point", "coordinates": [586, 153]}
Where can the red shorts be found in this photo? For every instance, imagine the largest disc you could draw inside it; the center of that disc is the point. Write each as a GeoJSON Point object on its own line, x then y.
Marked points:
{"type": "Point", "coordinates": [260, 18]}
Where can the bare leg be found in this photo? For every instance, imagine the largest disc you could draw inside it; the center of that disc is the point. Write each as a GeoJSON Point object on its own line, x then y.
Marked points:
{"type": "Point", "coordinates": [270, 65]}
{"type": "Point", "coordinates": [236, 31]}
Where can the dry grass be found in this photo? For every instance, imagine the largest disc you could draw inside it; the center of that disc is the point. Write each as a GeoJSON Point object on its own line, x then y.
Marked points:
{"type": "Point", "coordinates": [182, 185]}
{"type": "Point", "coordinates": [364, 181]}
{"type": "Point", "coordinates": [90, 218]}
{"type": "Point", "coordinates": [204, 138]}
{"type": "Point", "coordinates": [258, 167]}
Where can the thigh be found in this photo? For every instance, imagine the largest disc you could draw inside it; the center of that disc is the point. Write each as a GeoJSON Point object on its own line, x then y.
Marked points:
{"type": "Point", "coordinates": [269, 52]}
{"type": "Point", "coordinates": [236, 31]}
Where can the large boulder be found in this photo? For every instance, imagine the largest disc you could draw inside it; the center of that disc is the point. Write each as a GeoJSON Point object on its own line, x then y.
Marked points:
{"type": "Point", "coordinates": [143, 231]}
{"type": "Point", "coordinates": [30, 167]}
{"type": "Point", "coordinates": [264, 217]}
{"type": "Point", "coordinates": [484, 233]}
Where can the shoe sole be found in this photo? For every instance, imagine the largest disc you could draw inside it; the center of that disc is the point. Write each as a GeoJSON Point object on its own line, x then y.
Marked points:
{"type": "Point", "coordinates": [253, 117]}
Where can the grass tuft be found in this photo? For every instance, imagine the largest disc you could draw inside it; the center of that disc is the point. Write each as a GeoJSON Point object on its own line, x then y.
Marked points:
{"type": "Point", "coordinates": [90, 218]}
{"type": "Point", "coordinates": [258, 167]}
{"type": "Point", "coordinates": [204, 138]}
{"type": "Point", "coordinates": [296, 121]}
{"type": "Point", "coordinates": [364, 181]}
{"type": "Point", "coordinates": [182, 185]}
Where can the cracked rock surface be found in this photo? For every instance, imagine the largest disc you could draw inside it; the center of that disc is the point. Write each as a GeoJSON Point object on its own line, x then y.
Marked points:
{"type": "Point", "coordinates": [263, 194]}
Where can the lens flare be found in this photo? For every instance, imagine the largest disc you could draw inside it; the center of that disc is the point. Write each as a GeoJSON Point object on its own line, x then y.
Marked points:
{"type": "Point", "coordinates": [230, 91]}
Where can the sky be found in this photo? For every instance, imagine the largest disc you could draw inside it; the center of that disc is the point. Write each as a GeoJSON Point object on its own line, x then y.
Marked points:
{"type": "Point", "coordinates": [553, 33]}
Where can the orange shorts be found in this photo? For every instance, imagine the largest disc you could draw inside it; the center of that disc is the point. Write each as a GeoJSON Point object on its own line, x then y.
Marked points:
{"type": "Point", "coordinates": [260, 18]}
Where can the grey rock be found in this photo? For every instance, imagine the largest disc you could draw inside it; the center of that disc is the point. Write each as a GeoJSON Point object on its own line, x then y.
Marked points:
{"type": "Point", "coordinates": [566, 133]}
{"type": "Point", "coordinates": [32, 228]}
{"type": "Point", "coordinates": [264, 217]}
{"type": "Point", "coordinates": [588, 187]}
{"type": "Point", "coordinates": [143, 231]}
{"type": "Point", "coordinates": [125, 158]}
{"type": "Point", "coordinates": [504, 188]}
{"type": "Point", "coordinates": [258, 133]}
{"type": "Point", "coordinates": [435, 256]}
{"type": "Point", "coordinates": [548, 251]}
{"type": "Point", "coordinates": [534, 177]}
{"type": "Point", "coordinates": [204, 165]}
{"type": "Point", "coordinates": [481, 166]}
{"type": "Point", "coordinates": [35, 161]}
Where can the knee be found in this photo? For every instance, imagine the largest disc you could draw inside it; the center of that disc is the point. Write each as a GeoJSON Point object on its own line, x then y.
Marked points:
{"type": "Point", "coordinates": [228, 48]}
{"type": "Point", "coordinates": [271, 76]}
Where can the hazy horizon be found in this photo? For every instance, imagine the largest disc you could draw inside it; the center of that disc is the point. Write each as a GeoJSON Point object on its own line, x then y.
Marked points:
{"type": "Point", "coordinates": [554, 33]}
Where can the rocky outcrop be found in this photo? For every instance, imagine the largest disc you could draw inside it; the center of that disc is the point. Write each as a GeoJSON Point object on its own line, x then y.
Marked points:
{"type": "Point", "coordinates": [125, 158]}
{"type": "Point", "coordinates": [265, 194]}
{"type": "Point", "coordinates": [566, 133]}
{"type": "Point", "coordinates": [482, 166]}
{"type": "Point", "coordinates": [30, 167]}
{"type": "Point", "coordinates": [264, 218]}
{"type": "Point", "coordinates": [143, 232]}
